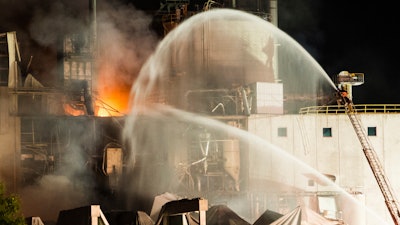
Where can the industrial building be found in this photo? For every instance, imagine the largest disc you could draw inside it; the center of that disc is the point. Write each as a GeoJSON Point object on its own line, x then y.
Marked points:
{"type": "Point", "coordinates": [237, 126]}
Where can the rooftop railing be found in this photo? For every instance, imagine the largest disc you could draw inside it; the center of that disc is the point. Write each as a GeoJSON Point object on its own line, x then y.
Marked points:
{"type": "Point", "coordinates": [336, 109]}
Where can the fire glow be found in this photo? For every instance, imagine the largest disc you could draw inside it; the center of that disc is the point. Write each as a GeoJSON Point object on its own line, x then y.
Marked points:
{"type": "Point", "coordinates": [112, 96]}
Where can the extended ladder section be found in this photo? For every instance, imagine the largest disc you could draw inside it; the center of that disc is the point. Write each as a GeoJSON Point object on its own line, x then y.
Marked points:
{"type": "Point", "coordinates": [375, 165]}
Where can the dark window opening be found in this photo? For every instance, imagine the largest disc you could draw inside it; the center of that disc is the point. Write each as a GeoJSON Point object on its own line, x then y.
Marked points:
{"type": "Point", "coordinates": [327, 132]}
{"type": "Point", "coordinates": [282, 132]}
{"type": "Point", "coordinates": [371, 131]}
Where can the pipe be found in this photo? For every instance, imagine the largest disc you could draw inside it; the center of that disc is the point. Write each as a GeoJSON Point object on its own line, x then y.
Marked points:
{"type": "Point", "coordinates": [216, 107]}
{"type": "Point", "coordinates": [245, 102]}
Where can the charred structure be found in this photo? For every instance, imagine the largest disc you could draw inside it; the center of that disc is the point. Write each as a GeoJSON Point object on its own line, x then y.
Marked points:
{"type": "Point", "coordinates": [47, 131]}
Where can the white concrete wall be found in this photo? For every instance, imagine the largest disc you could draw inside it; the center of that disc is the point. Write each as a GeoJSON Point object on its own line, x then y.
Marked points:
{"type": "Point", "coordinates": [340, 155]}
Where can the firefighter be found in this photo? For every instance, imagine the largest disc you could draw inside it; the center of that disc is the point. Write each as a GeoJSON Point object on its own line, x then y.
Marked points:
{"type": "Point", "coordinates": [344, 100]}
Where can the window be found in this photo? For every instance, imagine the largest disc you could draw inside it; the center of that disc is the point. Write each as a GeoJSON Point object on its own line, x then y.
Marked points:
{"type": "Point", "coordinates": [282, 132]}
{"type": "Point", "coordinates": [371, 131]}
{"type": "Point", "coordinates": [327, 206]}
{"type": "Point", "coordinates": [327, 132]}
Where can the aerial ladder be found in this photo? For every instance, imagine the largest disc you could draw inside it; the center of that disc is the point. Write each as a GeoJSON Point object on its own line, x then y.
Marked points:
{"type": "Point", "coordinates": [345, 81]}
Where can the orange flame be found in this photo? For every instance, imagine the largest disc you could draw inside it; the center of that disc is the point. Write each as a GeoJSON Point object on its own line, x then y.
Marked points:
{"type": "Point", "coordinates": [112, 95]}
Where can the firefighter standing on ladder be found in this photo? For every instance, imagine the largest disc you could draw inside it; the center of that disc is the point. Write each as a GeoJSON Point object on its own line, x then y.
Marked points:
{"type": "Point", "coordinates": [343, 99]}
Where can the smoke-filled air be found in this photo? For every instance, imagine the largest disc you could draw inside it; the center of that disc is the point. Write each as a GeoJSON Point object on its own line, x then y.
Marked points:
{"type": "Point", "coordinates": [195, 75]}
{"type": "Point", "coordinates": [184, 108]}
{"type": "Point", "coordinates": [125, 42]}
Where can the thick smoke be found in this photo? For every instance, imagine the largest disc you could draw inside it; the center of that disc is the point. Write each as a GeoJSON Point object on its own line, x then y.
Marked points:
{"type": "Point", "coordinates": [47, 27]}
{"type": "Point", "coordinates": [124, 43]}
{"type": "Point", "coordinates": [39, 25]}
{"type": "Point", "coordinates": [70, 185]}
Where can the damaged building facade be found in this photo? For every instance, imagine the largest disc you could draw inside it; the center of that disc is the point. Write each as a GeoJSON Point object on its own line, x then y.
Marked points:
{"type": "Point", "coordinates": [40, 127]}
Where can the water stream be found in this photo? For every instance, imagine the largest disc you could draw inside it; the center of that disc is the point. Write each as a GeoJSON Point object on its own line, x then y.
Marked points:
{"type": "Point", "coordinates": [181, 119]}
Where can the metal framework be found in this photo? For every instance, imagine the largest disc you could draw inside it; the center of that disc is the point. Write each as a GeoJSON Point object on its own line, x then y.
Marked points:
{"type": "Point", "coordinates": [376, 167]}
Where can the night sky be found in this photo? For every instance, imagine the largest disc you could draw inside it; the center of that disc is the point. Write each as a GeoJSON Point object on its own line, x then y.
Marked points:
{"type": "Point", "coordinates": [357, 36]}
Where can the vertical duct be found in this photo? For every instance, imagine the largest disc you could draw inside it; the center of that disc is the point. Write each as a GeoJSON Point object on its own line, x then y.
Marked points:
{"type": "Point", "coordinates": [14, 59]}
{"type": "Point", "coordinates": [273, 10]}
{"type": "Point", "coordinates": [93, 17]}
{"type": "Point", "coordinates": [231, 152]}
{"type": "Point", "coordinates": [246, 105]}
{"type": "Point", "coordinates": [93, 41]}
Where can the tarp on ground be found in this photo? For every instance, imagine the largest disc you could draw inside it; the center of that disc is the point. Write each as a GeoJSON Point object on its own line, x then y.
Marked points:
{"type": "Point", "coordinates": [267, 217]}
{"type": "Point", "coordinates": [158, 203]}
{"type": "Point", "coordinates": [143, 219]}
{"type": "Point", "coordinates": [310, 217]}
{"type": "Point", "coordinates": [303, 216]}
{"type": "Point", "coordinates": [128, 218]}
{"type": "Point", "coordinates": [291, 218]}
{"type": "Point", "coordinates": [33, 220]}
{"type": "Point", "coordinates": [80, 215]}
{"type": "Point", "coordinates": [223, 215]}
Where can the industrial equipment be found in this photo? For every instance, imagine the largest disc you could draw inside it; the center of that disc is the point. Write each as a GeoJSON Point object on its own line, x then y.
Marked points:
{"type": "Point", "coordinates": [173, 211]}
{"type": "Point", "coordinates": [346, 79]}
{"type": "Point", "coordinates": [83, 215]}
